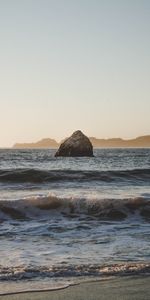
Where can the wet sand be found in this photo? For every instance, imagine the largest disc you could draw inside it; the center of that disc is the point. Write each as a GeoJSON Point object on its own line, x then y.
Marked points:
{"type": "Point", "coordinates": [124, 288]}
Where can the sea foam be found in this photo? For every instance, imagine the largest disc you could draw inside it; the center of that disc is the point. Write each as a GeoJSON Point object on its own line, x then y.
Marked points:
{"type": "Point", "coordinates": [47, 206]}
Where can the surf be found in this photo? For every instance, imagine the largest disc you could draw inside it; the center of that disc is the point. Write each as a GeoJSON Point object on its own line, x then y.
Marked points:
{"type": "Point", "coordinates": [42, 206]}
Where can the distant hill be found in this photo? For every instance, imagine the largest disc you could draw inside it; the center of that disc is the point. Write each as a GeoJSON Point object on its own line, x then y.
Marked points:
{"type": "Point", "coordinates": [139, 142]}
{"type": "Point", "coordinates": [44, 143]}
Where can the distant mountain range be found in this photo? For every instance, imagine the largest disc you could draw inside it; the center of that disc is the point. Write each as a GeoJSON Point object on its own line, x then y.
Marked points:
{"type": "Point", "coordinates": [139, 142]}
{"type": "Point", "coordinates": [44, 143]}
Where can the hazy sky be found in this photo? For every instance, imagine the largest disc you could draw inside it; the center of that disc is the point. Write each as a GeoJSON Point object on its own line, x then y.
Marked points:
{"type": "Point", "coordinates": [74, 64]}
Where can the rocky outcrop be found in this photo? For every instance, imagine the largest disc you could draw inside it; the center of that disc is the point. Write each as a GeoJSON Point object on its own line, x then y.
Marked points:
{"type": "Point", "coordinates": [76, 145]}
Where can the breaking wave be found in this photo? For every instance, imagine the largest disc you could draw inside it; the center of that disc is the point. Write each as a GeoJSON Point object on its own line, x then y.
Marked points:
{"type": "Point", "coordinates": [41, 176]}
{"type": "Point", "coordinates": [27, 272]}
{"type": "Point", "coordinates": [48, 206]}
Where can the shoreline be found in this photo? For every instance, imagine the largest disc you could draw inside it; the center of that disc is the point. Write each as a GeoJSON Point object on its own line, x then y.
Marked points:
{"type": "Point", "coordinates": [127, 288]}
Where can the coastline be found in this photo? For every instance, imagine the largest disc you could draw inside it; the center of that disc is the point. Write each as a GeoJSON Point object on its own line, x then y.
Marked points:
{"type": "Point", "coordinates": [126, 288]}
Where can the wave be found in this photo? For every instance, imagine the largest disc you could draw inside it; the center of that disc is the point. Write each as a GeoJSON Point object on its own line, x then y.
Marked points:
{"type": "Point", "coordinates": [28, 272]}
{"type": "Point", "coordinates": [41, 176]}
{"type": "Point", "coordinates": [48, 206]}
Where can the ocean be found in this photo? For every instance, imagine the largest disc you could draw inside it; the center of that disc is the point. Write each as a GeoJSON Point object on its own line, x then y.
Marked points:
{"type": "Point", "coordinates": [66, 220]}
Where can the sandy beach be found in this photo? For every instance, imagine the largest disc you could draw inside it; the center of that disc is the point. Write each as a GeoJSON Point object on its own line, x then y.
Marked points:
{"type": "Point", "coordinates": [125, 288]}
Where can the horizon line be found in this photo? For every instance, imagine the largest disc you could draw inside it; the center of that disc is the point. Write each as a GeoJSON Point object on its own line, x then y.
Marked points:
{"type": "Point", "coordinates": [90, 137]}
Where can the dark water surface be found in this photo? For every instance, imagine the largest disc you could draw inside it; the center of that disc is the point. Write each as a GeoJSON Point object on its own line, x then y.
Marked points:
{"type": "Point", "coordinates": [63, 218]}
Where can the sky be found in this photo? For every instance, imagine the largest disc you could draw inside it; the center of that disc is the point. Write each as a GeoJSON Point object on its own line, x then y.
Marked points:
{"type": "Point", "coordinates": [68, 65]}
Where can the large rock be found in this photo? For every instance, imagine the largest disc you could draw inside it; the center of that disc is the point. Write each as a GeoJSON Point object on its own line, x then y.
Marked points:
{"type": "Point", "coordinates": [76, 145]}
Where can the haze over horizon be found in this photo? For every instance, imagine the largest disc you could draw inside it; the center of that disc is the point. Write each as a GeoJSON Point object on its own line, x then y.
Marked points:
{"type": "Point", "coordinates": [68, 65]}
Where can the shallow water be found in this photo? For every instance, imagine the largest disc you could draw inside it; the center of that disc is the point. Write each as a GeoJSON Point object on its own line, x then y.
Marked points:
{"type": "Point", "coordinates": [70, 217]}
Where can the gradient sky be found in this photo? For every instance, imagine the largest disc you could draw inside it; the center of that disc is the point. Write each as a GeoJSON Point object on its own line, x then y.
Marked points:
{"type": "Point", "coordinates": [67, 65]}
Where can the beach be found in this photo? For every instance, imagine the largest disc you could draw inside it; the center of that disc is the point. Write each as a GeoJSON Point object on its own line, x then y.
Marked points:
{"type": "Point", "coordinates": [123, 288]}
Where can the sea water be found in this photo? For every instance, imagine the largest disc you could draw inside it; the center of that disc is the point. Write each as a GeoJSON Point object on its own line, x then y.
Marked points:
{"type": "Point", "coordinates": [63, 220]}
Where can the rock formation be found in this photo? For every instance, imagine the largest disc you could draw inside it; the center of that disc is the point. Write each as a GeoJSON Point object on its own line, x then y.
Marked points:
{"type": "Point", "coordinates": [76, 145]}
